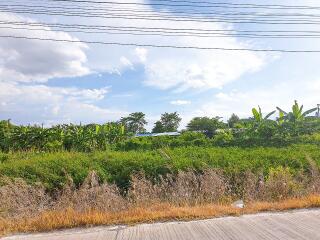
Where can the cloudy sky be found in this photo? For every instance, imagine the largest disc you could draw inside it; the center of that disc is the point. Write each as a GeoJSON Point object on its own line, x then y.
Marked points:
{"type": "Point", "coordinates": [60, 82]}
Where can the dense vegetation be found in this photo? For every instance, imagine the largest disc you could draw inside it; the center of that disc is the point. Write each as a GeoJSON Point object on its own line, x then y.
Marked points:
{"type": "Point", "coordinates": [52, 169]}
{"type": "Point", "coordinates": [257, 144]}
{"type": "Point", "coordinates": [108, 169]}
{"type": "Point", "coordinates": [296, 126]}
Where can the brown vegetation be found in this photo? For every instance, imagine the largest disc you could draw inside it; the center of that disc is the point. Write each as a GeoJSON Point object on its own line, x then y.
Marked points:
{"type": "Point", "coordinates": [183, 196]}
{"type": "Point", "coordinates": [69, 218]}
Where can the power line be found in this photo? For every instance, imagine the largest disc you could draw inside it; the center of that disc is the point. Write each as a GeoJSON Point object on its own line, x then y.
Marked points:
{"type": "Point", "coordinates": [173, 11]}
{"type": "Point", "coordinates": [217, 20]}
{"type": "Point", "coordinates": [161, 17]}
{"type": "Point", "coordinates": [166, 34]}
{"type": "Point", "coordinates": [240, 4]}
{"type": "Point", "coordinates": [161, 46]}
{"type": "Point", "coordinates": [151, 29]}
{"type": "Point", "coordinates": [224, 5]}
{"type": "Point", "coordinates": [224, 13]}
{"type": "Point", "coordinates": [172, 35]}
{"type": "Point", "coordinates": [155, 16]}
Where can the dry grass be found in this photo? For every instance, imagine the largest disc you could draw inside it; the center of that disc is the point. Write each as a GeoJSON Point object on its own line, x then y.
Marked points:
{"type": "Point", "coordinates": [70, 218]}
{"type": "Point", "coordinates": [17, 197]}
{"type": "Point", "coordinates": [184, 196]}
{"type": "Point", "coordinates": [184, 188]}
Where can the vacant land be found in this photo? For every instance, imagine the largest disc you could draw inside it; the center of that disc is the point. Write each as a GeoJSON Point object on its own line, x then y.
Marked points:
{"type": "Point", "coordinates": [45, 191]}
{"type": "Point", "coordinates": [53, 169]}
{"type": "Point", "coordinates": [67, 176]}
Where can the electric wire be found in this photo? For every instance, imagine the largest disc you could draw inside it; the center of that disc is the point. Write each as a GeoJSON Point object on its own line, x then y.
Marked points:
{"type": "Point", "coordinates": [160, 46]}
{"type": "Point", "coordinates": [132, 17]}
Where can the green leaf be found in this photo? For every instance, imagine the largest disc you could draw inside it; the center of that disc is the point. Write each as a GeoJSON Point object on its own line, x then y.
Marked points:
{"type": "Point", "coordinates": [269, 115]}
{"type": "Point", "coordinates": [282, 111]}
{"type": "Point", "coordinates": [309, 111]}
{"type": "Point", "coordinates": [256, 114]}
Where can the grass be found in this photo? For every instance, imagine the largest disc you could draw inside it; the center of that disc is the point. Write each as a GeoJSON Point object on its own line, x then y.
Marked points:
{"type": "Point", "coordinates": [48, 191]}
{"type": "Point", "coordinates": [53, 220]}
{"type": "Point", "coordinates": [50, 168]}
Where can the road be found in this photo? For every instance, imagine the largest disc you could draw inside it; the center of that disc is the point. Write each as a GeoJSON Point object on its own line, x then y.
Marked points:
{"type": "Point", "coordinates": [302, 224]}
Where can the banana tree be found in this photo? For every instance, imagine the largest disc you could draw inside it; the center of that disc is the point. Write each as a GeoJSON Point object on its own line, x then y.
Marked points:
{"type": "Point", "coordinates": [5, 135]}
{"type": "Point", "coordinates": [293, 122]}
{"type": "Point", "coordinates": [262, 127]}
{"type": "Point", "coordinates": [258, 116]}
{"type": "Point", "coordinates": [297, 113]}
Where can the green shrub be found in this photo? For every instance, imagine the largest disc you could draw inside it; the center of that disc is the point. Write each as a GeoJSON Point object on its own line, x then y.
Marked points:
{"type": "Point", "coordinates": [141, 143]}
{"type": "Point", "coordinates": [223, 138]}
{"type": "Point", "coordinates": [116, 166]}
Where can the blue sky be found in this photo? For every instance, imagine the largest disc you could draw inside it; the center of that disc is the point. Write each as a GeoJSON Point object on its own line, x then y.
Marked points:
{"type": "Point", "coordinates": [50, 83]}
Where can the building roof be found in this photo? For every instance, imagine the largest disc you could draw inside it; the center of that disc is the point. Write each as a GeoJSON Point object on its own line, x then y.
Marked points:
{"type": "Point", "coordinates": [157, 134]}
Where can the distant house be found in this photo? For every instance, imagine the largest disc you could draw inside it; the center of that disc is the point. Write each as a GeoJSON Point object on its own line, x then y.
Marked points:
{"type": "Point", "coordinates": [157, 134]}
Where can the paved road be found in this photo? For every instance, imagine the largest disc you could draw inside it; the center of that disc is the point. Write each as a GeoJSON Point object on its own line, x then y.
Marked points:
{"type": "Point", "coordinates": [303, 224]}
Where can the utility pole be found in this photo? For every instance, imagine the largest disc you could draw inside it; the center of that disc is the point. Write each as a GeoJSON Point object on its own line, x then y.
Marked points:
{"type": "Point", "coordinates": [318, 112]}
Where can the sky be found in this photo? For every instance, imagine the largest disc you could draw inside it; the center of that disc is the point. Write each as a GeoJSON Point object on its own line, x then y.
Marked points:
{"type": "Point", "coordinates": [45, 82]}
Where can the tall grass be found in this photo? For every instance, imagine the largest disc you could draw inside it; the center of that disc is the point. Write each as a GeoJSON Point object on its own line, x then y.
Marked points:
{"type": "Point", "coordinates": [189, 196]}
{"type": "Point", "coordinates": [44, 191]}
{"type": "Point", "coordinates": [51, 169]}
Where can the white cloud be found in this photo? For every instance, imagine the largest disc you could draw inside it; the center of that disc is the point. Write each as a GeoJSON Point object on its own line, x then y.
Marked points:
{"type": "Point", "coordinates": [223, 104]}
{"type": "Point", "coordinates": [126, 62]}
{"type": "Point", "coordinates": [141, 53]}
{"type": "Point", "coordinates": [190, 69]}
{"type": "Point", "coordinates": [241, 102]}
{"type": "Point", "coordinates": [38, 61]}
{"type": "Point", "coordinates": [180, 102]}
{"type": "Point", "coordinates": [178, 69]}
{"type": "Point", "coordinates": [49, 105]}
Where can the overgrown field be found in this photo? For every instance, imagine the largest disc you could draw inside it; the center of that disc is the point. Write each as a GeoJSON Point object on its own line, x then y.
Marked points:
{"type": "Point", "coordinates": [72, 189]}
{"type": "Point", "coordinates": [53, 169]}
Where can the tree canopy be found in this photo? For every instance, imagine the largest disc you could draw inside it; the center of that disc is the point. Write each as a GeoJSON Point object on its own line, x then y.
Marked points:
{"type": "Point", "coordinates": [233, 120]}
{"type": "Point", "coordinates": [135, 122]}
{"type": "Point", "coordinates": [169, 122]}
{"type": "Point", "coordinates": [206, 125]}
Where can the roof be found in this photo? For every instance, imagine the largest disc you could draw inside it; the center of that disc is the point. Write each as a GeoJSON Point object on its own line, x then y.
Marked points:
{"type": "Point", "coordinates": [157, 134]}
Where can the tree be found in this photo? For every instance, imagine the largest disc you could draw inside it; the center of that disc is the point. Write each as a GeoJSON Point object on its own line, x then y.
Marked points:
{"type": "Point", "coordinates": [294, 122]}
{"type": "Point", "coordinates": [206, 125]}
{"type": "Point", "coordinates": [158, 127]}
{"type": "Point", "coordinates": [169, 122]}
{"type": "Point", "coordinates": [233, 120]}
{"type": "Point", "coordinates": [135, 122]}
{"type": "Point", "coordinates": [261, 127]}
{"type": "Point", "coordinates": [258, 116]}
{"type": "Point", "coordinates": [297, 113]}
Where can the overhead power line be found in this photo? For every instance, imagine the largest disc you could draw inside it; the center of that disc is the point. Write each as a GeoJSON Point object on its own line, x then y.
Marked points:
{"type": "Point", "coordinates": [166, 17]}
{"type": "Point", "coordinates": [132, 17]}
{"type": "Point", "coordinates": [140, 33]}
{"type": "Point", "coordinates": [152, 29]}
{"type": "Point", "coordinates": [198, 4]}
{"type": "Point", "coordinates": [114, 10]}
{"type": "Point", "coordinates": [186, 12]}
{"type": "Point", "coordinates": [143, 32]}
{"type": "Point", "coordinates": [161, 46]}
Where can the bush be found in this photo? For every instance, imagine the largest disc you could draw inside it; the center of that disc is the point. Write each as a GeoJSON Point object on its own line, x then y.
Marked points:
{"type": "Point", "coordinates": [222, 138]}
{"type": "Point", "coordinates": [135, 144]}
{"type": "Point", "coordinates": [280, 184]}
